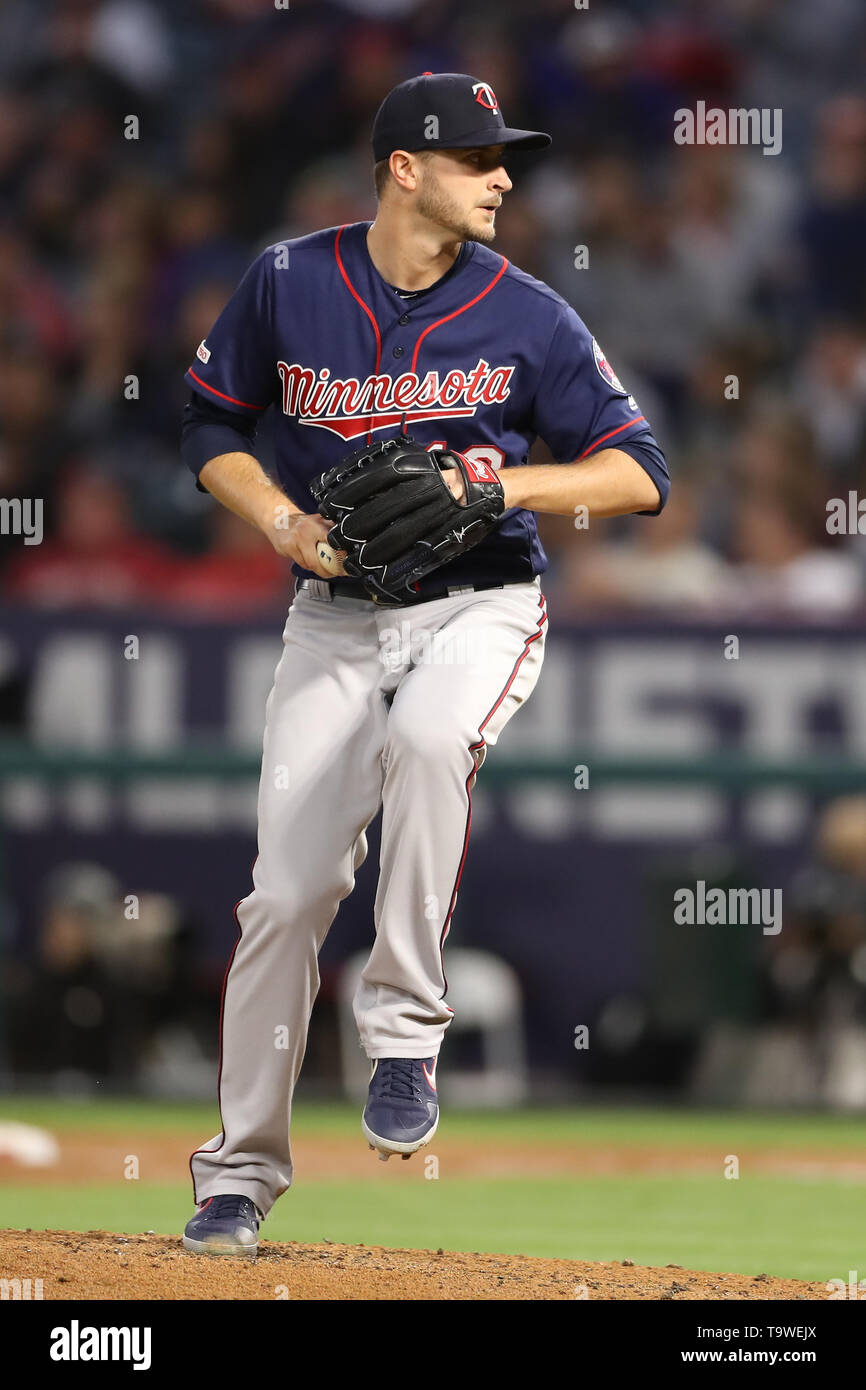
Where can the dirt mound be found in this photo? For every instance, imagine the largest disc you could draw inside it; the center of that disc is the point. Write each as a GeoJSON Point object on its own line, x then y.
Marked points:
{"type": "Point", "coordinates": [99, 1265]}
{"type": "Point", "coordinates": [97, 1156]}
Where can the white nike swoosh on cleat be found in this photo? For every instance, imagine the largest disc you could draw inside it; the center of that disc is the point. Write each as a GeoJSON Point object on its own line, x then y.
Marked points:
{"type": "Point", "coordinates": [431, 1080]}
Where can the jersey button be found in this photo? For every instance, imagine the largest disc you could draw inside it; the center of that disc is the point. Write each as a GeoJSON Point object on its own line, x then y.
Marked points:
{"type": "Point", "coordinates": [398, 351]}
{"type": "Point", "coordinates": [404, 319]}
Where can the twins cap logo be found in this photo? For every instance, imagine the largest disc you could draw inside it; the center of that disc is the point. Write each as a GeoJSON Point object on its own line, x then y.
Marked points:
{"type": "Point", "coordinates": [485, 95]}
{"type": "Point", "coordinates": [605, 370]}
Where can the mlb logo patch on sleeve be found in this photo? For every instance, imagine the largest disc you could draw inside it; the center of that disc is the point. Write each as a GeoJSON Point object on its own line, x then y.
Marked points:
{"type": "Point", "coordinates": [605, 370]}
{"type": "Point", "coordinates": [202, 353]}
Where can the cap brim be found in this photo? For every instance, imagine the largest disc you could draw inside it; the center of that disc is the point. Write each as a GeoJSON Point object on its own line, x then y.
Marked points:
{"type": "Point", "coordinates": [507, 135]}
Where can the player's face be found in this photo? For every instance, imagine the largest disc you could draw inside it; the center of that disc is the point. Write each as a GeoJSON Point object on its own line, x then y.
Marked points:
{"type": "Point", "coordinates": [460, 191]}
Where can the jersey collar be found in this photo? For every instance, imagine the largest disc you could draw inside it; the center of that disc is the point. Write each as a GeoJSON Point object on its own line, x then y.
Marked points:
{"type": "Point", "coordinates": [464, 256]}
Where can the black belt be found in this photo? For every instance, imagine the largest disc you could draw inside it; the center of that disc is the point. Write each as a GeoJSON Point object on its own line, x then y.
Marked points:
{"type": "Point", "coordinates": [354, 588]}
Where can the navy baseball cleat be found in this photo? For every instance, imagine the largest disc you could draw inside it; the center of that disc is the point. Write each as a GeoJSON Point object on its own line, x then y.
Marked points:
{"type": "Point", "coordinates": [226, 1225]}
{"type": "Point", "coordinates": [402, 1110]}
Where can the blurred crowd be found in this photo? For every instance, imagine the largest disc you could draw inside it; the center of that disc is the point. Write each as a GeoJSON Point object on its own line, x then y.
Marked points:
{"type": "Point", "coordinates": [805, 1043]}
{"type": "Point", "coordinates": [113, 990]}
{"type": "Point", "coordinates": [148, 151]}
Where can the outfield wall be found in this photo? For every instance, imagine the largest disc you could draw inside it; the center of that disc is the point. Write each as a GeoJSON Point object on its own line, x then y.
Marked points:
{"type": "Point", "coordinates": [572, 886]}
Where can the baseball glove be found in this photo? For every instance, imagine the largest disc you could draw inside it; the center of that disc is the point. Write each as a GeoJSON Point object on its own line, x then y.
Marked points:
{"type": "Point", "coordinates": [396, 517]}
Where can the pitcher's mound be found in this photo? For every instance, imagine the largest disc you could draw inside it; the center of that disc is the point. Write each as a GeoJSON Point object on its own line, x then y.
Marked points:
{"type": "Point", "coordinates": [100, 1265]}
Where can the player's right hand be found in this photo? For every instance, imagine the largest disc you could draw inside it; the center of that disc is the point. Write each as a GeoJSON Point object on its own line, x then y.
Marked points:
{"type": "Point", "coordinates": [298, 538]}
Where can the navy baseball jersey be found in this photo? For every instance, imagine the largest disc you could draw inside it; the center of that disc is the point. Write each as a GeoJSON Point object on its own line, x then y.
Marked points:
{"type": "Point", "coordinates": [483, 362]}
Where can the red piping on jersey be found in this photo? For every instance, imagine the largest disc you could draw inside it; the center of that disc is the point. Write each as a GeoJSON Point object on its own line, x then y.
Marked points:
{"type": "Point", "coordinates": [473, 749]}
{"type": "Point", "coordinates": [223, 395]}
{"type": "Point", "coordinates": [372, 317]}
{"type": "Point", "coordinates": [498, 276]}
{"type": "Point", "coordinates": [367, 310]}
{"type": "Point", "coordinates": [628, 424]}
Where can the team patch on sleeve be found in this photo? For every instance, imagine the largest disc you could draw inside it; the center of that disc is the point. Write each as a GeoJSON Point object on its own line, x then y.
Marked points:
{"type": "Point", "coordinates": [606, 371]}
{"type": "Point", "coordinates": [202, 353]}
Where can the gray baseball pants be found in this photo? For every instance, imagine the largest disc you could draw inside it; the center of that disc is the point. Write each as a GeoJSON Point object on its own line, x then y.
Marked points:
{"type": "Point", "coordinates": [370, 706]}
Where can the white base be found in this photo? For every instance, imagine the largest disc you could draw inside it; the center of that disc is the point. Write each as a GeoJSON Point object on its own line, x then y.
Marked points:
{"type": "Point", "coordinates": [214, 1248]}
{"type": "Point", "coordinates": [391, 1146]}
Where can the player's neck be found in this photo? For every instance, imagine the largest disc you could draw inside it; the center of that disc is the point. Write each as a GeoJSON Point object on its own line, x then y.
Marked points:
{"type": "Point", "coordinates": [410, 253]}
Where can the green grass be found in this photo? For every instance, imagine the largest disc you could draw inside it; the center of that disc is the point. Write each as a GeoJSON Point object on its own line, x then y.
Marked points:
{"type": "Point", "coordinates": [776, 1225]}
{"type": "Point", "coordinates": [761, 1225]}
{"type": "Point", "coordinates": [633, 1126]}
{"type": "Point", "coordinates": [59, 1114]}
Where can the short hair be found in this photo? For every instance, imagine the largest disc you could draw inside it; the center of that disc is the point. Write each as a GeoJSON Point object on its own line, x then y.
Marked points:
{"type": "Point", "coordinates": [381, 175]}
{"type": "Point", "coordinates": [382, 171]}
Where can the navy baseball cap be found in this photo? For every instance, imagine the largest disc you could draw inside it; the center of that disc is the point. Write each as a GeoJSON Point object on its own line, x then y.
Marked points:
{"type": "Point", "coordinates": [445, 110]}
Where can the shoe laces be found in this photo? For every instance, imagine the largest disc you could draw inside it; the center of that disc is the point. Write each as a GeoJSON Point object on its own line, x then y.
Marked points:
{"type": "Point", "coordinates": [227, 1205]}
{"type": "Point", "coordinates": [399, 1079]}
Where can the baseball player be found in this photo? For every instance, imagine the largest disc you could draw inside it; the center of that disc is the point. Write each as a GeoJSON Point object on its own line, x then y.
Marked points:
{"type": "Point", "coordinates": [409, 368]}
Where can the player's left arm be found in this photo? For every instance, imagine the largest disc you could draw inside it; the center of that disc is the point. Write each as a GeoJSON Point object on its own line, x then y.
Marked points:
{"type": "Point", "coordinates": [607, 458]}
{"type": "Point", "coordinates": [608, 483]}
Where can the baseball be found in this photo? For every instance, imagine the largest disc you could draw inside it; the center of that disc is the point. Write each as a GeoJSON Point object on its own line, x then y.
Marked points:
{"type": "Point", "coordinates": [330, 558]}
